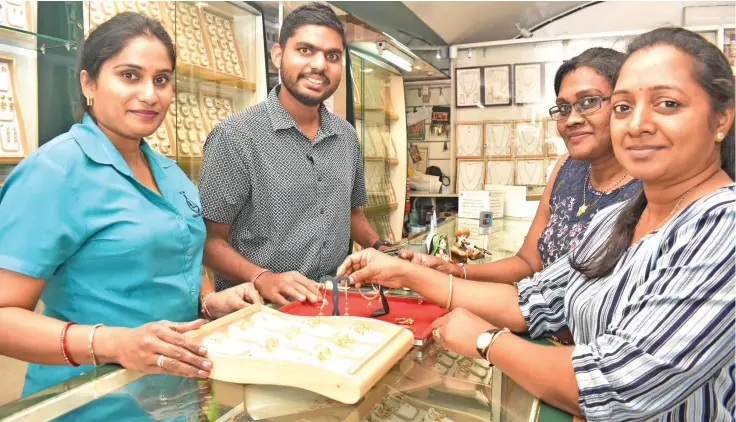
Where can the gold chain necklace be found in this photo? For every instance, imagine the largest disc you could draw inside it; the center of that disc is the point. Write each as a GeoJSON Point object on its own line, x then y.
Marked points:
{"type": "Point", "coordinates": [679, 201]}
{"type": "Point", "coordinates": [584, 207]}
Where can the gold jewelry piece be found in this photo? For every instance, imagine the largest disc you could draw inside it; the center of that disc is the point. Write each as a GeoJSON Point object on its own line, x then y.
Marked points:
{"type": "Point", "coordinates": [229, 67]}
{"type": "Point", "coordinates": [449, 295]}
{"type": "Point", "coordinates": [404, 321]}
{"type": "Point", "coordinates": [160, 361]}
{"type": "Point", "coordinates": [198, 36]}
{"type": "Point", "coordinates": [323, 288]}
{"type": "Point", "coordinates": [186, 111]}
{"type": "Point", "coordinates": [359, 328]}
{"type": "Point", "coordinates": [437, 415]}
{"type": "Point", "coordinates": [222, 114]}
{"type": "Point", "coordinates": [218, 21]}
{"type": "Point", "coordinates": [347, 313]}
{"type": "Point", "coordinates": [218, 103]}
{"type": "Point", "coordinates": [384, 412]}
{"type": "Point", "coordinates": [195, 112]}
{"type": "Point", "coordinates": [420, 300]}
{"type": "Point", "coordinates": [272, 343]}
{"type": "Point", "coordinates": [371, 299]}
{"type": "Point", "coordinates": [220, 64]}
{"type": "Point", "coordinates": [227, 105]}
{"type": "Point", "coordinates": [209, 18]}
{"type": "Point", "coordinates": [584, 207]}
{"type": "Point", "coordinates": [220, 32]}
{"type": "Point", "coordinates": [229, 35]}
{"type": "Point", "coordinates": [91, 346]}
{"type": "Point", "coordinates": [436, 334]}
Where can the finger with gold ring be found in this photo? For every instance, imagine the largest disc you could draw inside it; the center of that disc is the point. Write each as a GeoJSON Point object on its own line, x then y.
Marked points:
{"type": "Point", "coordinates": [160, 361]}
{"type": "Point", "coordinates": [175, 327]}
{"type": "Point", "coordinates": [436, 334]}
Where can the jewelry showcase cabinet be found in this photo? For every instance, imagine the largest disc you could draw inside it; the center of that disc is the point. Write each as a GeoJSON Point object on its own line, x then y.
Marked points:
{"type": "Point", "coordinates": [220, 69]}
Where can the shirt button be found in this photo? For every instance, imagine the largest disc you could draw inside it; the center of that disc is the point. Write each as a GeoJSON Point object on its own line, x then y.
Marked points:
{"type": "Point", "coordinates": [189, 252]}
{"type": "Point", "coordinates": [324, 243]}
{"type": "Point", "coordinates": [178, 218]}
{"type": "Point", "coordinates": [322, 211]}
{"type": "Point", "coordinates": [319, 179]}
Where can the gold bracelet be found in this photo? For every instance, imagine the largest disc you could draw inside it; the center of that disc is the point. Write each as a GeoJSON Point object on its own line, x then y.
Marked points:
{"type": "Point", "coordinates": [449, 294]}
{"type": "Point", "coordinates": [91, 346]}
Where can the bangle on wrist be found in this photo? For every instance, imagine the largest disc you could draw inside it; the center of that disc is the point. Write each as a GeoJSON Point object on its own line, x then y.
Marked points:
{"type": "Point", "coordinates": [258, 274]}
{"type": "Point", "coordinates": [449, 294]}
{"type": "Point", "coordinates": [205, 311]}
{"type": "Point", "coordinates": [64, 348]}
{"type": "Point", "coordinates": [463, 271]}
{"type": "Point", "coordinates": [91, 345]}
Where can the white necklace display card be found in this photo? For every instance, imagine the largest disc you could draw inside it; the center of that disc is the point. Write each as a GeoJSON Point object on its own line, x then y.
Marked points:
{"type": "Point", "coordinates": [553, 140]}
{"type": "Point", "coordinates": [528, 83]}
{"type": "Point", "coordinates": [530, 172]}
{"type": "Point", "coordinates": [468, 87]}
{"type": "Point", "coordinates": [498, 139]}
{"type": "Point", "coordinates": [500, 172]}
{"type": "Point", "coordinates": [497, 85]}
{"type": "Point", "coordinates": [528, 137]}
{"type": "Point", "coordinates": [12, 130]}
{"type": "Point", "coordinates": [16, 14]}
{"type": "Point", "coordinates": [469, 140]}
{"type": "Point", "coordinates": [469, 175]}
{"type": "Point", "coordinates": [550, 70]}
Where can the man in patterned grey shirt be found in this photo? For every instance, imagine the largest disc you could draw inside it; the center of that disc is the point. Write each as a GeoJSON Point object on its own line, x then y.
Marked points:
{"type": "Point", "coordinates": [282, 182]}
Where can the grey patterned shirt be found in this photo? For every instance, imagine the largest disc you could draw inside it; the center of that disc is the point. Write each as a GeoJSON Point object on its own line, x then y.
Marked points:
{"type": "Point", "coordinates": [287, 200]}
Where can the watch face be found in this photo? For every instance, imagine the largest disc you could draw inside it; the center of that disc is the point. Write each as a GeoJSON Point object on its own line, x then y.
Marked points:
{"type": "Point", "coordinates": [483, 341]}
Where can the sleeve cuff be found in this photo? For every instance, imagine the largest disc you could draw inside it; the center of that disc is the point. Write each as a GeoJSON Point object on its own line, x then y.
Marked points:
{"type": "Point", "coordinates": [26, 268]}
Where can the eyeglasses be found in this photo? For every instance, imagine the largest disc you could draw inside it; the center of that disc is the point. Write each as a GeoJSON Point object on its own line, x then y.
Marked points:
{"type": "Point", "coordinates": [583, 106]}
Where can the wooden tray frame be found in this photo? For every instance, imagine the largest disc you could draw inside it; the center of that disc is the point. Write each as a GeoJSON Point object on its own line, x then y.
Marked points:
{"type": "Point", "coordinates": [344, 387]}
{"type": "Point", "coordinates": [15, 158]}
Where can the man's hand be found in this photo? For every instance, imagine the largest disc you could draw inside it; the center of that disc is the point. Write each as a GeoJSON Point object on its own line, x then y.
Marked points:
{"type": "Point", "coordinates": [232, 299]}
{"type": "Point", "coordinates": [277, 287]}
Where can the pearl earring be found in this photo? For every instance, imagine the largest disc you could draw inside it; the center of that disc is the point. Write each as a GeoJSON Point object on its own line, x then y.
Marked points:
{"type": "Point", "coordinates": [720, 136]}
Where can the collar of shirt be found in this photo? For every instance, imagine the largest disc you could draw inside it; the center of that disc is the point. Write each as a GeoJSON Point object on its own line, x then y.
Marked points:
{"type": "Point", "coordinates": [98, 147]}
{"type": "Point", "coordinates": [281, 119]}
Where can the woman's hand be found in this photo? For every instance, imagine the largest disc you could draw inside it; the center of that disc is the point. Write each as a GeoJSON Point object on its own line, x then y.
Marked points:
{"type": "Point", "coordinates": [459, 331]}
{"type": "Point", "coordinates": [433, 262]}
{"type": "Point", "coordinates": [372, 266]}
{"type": "Point", "coordinates": [140, 349]}
{"type": "Point", "coordinates": [232, 299]}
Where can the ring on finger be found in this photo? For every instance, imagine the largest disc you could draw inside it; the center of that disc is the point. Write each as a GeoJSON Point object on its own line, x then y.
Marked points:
{"type": "Point", "coordinates": [176, 327]}
{"type": "Point", "coordinates": [436, 334]}
{"type": "Point", "coordinates": [160, 362]}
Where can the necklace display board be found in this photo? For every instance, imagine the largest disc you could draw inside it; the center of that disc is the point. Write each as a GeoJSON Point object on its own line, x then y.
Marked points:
{"type": "Point", "coordinates": [497, 85]}
{"type": "Point", "coordinates": [468, 87]}
{"type": "Point", "coordinates": [500, 172]}
{"type": "Point", "coordinates": [338, 357]}
{"type": "Point", "coordinates": [469, 139]}
{"type": "Point", "coordinates": [498, 136]}
{"type": "Point", "coordinates": [555, 145]}
{"type": "Point", "coordinates": [530, 172]}
{"type": "Point", "coordinates": [528, 83]}
{"type": "Point", "coordinates": [528, 138]}
{"type": "Point", "coordinates": [13, 140]}
{"type": "Point", "coordinates": [470, 175]}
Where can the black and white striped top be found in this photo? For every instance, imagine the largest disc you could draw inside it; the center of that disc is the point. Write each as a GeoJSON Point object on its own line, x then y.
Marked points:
{"type": "Point", "coordinates": [654, 340]}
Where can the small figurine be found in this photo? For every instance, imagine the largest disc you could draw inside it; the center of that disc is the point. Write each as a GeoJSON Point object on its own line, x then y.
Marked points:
{"type": "Point", "coordinates": [439, 247]}
{"type": "Point", "coordinates": [462, 250]}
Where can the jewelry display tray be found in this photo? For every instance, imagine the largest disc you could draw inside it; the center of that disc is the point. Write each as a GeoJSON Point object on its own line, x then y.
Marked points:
{"type": "Point", "coordinates": [423, 314]}
{"type": "Point", "coordinates": [344, 386]}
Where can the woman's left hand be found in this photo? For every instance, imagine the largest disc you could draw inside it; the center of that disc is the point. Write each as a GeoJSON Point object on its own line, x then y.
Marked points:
{"type": "Point", "coordinates": [232, 299]}
{"type": "Point", "coordinates": [459, 331]}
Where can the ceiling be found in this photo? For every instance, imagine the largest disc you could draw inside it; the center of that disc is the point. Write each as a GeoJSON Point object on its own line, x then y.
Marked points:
{"type": "Point", "coordinates": [460, 22]}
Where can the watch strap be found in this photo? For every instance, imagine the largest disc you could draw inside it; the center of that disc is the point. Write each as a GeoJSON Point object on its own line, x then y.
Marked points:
{"type": "Point", "coordinates": [379, 243]}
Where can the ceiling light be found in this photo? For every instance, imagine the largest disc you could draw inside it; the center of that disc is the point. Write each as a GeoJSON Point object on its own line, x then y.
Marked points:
{"type": "Point", "coordinates": [397, 60]}
{"type": "Point", "coordinates": [470, 53]}
{"type": "Point", "coordinates": [439, 56]}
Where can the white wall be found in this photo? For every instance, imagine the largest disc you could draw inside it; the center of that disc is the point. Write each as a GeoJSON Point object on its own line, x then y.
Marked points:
{"type": "Point", "coordinates": [629, 15]}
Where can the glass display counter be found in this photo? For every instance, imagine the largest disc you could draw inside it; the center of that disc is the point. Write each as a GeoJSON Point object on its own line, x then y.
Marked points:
{"type": "Point", "coordinates": [427, 384]}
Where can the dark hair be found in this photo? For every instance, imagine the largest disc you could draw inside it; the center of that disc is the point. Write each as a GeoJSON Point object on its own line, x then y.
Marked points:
{"type": "Point", "coordinates": [108, 39]}
{"type": "Point", "coordinates": [712, 72]}
{"type": "Point", "coordinates": [311, 14]}
{"type": "Point", "coordinates": [606, 61]}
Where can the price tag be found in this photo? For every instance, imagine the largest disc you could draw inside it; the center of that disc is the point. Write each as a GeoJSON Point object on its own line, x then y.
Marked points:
{"type": "Point", "coordinates": [485, 221]}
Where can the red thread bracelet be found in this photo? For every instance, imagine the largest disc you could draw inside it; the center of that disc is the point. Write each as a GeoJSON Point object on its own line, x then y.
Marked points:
{"type": "Point", "coordinates": [64, 349]}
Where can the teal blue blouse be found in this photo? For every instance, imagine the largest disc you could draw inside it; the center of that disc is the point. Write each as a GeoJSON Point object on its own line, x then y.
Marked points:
{"type": "Point", "coordinates": [111, 250]}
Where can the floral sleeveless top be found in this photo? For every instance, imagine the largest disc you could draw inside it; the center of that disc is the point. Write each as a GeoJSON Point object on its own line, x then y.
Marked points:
{"type": "Point", "coordinates": [565, 229]}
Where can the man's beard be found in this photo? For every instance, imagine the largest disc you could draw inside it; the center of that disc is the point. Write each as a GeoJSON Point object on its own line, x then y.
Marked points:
{"type": "Point", "coordinates": [302, 98]}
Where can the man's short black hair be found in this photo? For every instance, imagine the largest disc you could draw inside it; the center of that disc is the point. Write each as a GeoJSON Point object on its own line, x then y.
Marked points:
{"type": "Point", "coordinates": [311, 14]}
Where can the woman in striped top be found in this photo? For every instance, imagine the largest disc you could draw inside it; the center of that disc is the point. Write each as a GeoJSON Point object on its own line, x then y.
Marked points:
{"type": "Point", "coordinates": [648, 294]}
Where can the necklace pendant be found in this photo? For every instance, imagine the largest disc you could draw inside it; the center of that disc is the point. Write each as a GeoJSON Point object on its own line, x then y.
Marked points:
{"type": "Point", "coordinates": [582, 210]}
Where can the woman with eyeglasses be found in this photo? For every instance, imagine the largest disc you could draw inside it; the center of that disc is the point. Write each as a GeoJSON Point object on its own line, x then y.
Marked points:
{"type": "Point", "coordinates": [648, 294]}
{"type": "Point", "coordinates": [586, 180]}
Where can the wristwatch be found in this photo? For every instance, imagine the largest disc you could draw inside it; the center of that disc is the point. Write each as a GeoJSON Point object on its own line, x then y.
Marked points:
{"type": "Point", "coordinates": [379, 243]}
{"type": "Point", "coordinates": [486, 340]}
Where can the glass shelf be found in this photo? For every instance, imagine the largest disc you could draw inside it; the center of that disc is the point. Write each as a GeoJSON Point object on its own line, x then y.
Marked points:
{"type": "Point", "coordinates": [33, 41]}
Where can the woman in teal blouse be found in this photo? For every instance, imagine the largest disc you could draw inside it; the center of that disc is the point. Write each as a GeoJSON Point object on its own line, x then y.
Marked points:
{"type": "Point", "coordinates": [106, 231]}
